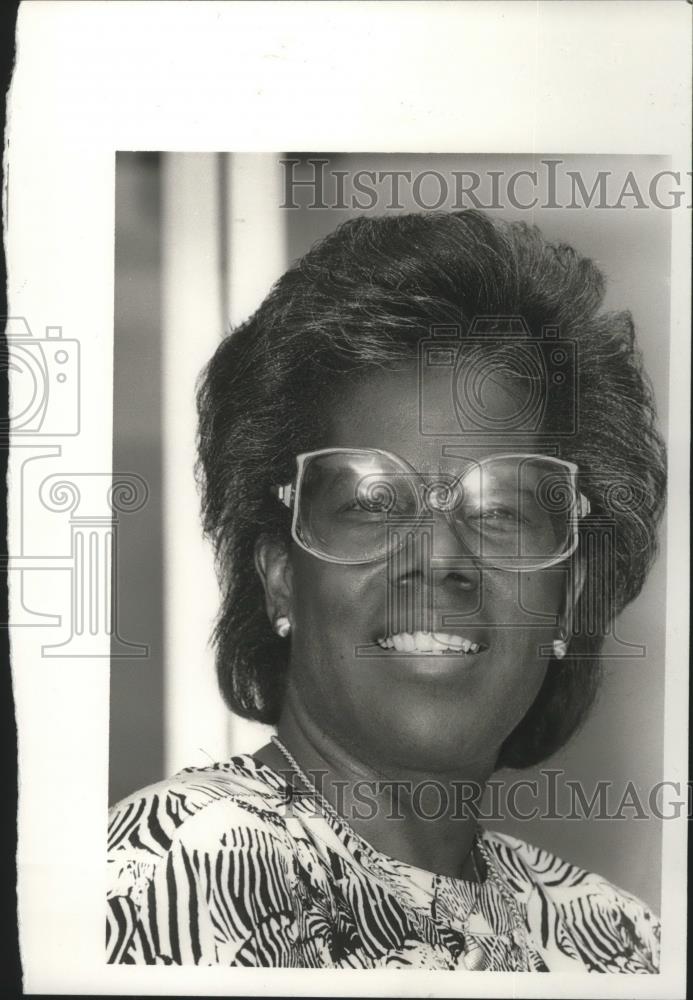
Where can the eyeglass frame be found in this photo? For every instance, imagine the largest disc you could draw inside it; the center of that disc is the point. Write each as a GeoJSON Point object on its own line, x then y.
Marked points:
{"type": "Point", "coordinates": [288, 493]}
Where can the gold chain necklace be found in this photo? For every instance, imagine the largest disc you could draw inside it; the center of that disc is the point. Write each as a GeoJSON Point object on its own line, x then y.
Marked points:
{"type": "Point", "coordinates": [474, 957]}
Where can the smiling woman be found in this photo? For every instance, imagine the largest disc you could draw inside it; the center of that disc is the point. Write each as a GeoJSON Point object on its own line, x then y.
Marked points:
{"type": "Point", "coordinates": [404, 454]}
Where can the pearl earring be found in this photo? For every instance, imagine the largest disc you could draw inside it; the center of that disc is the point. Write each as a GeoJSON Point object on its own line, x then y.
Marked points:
{"type": "Point", "coordinates": [282, 626]}
{"type": "Point", "coordinates": [560, 645]}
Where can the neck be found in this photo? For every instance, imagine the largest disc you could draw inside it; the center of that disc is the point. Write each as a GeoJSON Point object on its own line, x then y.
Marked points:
{"type": "Point", "coordinates": [423, 818]}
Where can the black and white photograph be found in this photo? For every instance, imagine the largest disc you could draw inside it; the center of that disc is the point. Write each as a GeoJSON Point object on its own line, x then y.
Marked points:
{"type": "Point", "coordinates": [350, 537]}
{"type": "Point", "coordinates": [367, 438]}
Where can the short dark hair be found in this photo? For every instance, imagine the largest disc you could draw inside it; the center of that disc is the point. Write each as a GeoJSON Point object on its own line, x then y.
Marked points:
{"type": "Point", "coordinates": [362, 299]}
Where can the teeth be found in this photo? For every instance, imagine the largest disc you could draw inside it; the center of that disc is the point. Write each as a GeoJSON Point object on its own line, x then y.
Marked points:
{"type": "Point", "coordinates": [438, 643]}
{"type": "Point", "coordinates": [423, 641]}
{"type": "Point", "coordinates": [428, 642]}
{"type": "Point", "coordinates": [404, 642]}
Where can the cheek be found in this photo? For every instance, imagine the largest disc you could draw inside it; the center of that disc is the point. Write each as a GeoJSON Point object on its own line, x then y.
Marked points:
{"type": "Point", "coordinates": [525, 608]}
{"type": "Point", "coordinates": [525, 599]}
{"type": "Point", "coordinates": [325, 597]}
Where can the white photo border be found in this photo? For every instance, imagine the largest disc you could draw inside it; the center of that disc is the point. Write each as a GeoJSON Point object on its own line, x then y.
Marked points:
{"type": "Point", "coordinates": [92, 79]}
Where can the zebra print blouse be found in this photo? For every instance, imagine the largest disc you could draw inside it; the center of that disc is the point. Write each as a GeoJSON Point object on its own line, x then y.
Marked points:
{"type": "Point", "coordinates": [228, 865]}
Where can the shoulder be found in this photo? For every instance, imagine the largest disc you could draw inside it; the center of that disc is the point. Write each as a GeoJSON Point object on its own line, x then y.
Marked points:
{"type": "Point", "coordinates": [226, 805]}
{"type": "Point", "coordinates": [577, 916]}
{"type": "Point", "coordinates": [193, 860]}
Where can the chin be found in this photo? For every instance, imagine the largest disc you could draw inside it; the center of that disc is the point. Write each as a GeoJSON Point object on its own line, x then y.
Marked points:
{"type": "Point", "coordinates": [424, 734]}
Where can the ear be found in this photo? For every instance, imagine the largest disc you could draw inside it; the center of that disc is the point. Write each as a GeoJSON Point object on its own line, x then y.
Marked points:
{"type": "Point", "coordinates": [574, 585]}
{"type": "Point", "coordinates": [273, 566]}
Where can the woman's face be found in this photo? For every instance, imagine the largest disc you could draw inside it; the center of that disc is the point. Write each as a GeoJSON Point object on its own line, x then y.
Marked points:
{"type": "Point", "coordinates": [397, 710]}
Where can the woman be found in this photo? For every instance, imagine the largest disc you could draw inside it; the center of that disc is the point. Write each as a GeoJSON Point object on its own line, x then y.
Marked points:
{"type": "Point", "coordinates": [402, 453]}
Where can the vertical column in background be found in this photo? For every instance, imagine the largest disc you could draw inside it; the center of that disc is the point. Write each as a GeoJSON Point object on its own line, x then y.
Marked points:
{"type": "Point", "coordinates": [136, 719]}
{"type": "Point", "coordinates": [196, 720]}
{"type": "Point", "coordinates": [255, 255]}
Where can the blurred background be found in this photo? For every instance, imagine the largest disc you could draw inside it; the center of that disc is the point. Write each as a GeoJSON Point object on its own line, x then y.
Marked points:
{"type": "Point", "coordinates": [199, 240]}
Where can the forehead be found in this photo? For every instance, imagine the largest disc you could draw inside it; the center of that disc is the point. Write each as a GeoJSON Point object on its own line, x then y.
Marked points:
{"type": "Point", "coordinates": [423, 423]}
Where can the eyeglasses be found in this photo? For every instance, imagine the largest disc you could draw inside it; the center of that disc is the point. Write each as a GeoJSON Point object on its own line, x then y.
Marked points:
{"type": "Point", "coordinates": [512, 512]}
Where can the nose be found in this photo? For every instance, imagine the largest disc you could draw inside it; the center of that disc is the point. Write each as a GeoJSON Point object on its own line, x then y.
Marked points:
{"type": "Point", "coordinates": [431, 556]}
{"type": "Point", "coordinates": [430, 574]}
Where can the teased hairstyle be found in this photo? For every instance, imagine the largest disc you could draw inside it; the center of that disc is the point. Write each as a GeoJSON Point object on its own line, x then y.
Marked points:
{"type": "Point", "coordinates": [362, 299]}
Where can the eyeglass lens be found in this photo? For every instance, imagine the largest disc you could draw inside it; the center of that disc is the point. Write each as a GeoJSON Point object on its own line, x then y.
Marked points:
{"type": "Point", "coordinates": [513, 509]}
